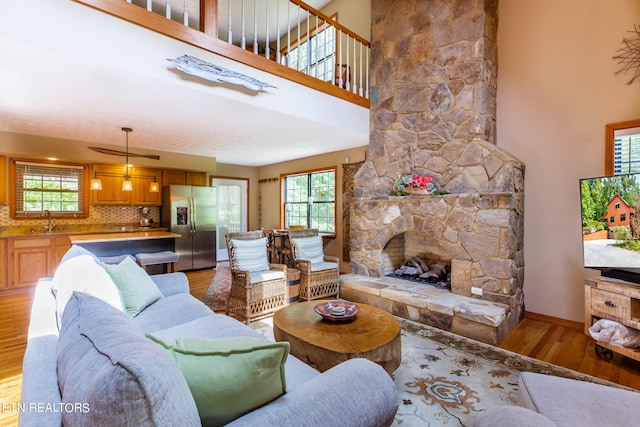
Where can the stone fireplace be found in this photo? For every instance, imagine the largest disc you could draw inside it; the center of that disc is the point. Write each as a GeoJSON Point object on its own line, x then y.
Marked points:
{"type": "Point", "coordinates": [433, 85]}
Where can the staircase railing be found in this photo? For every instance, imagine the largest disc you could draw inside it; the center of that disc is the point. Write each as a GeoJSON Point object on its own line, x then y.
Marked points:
{"type": "Point", "coordinates": [287, 38]}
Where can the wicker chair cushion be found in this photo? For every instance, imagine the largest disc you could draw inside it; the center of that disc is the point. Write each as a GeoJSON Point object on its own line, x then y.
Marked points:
{"type": "Point", "coordinates": [309, 248]}
{"type": "Point", "coordinates": [249, 255]}
{"type": "Point", "coordinates": [321, 266]}
{"type": "Point", "coordinates": [264, 275]}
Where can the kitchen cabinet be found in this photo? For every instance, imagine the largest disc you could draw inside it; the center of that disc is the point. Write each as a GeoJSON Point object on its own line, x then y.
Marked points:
{"type": "Point", "coordinates": [182, 177]}
{"type": "Point", "coordinates": [3, 264]}
{"type": "Point", "coordinates": [31, 258]}
{"type": "Point", "coordinates": [112, 194]}
{"type": "Point", "coordinates": [4, 181]}
{"type": "Point", "coordinates": [141, 194]}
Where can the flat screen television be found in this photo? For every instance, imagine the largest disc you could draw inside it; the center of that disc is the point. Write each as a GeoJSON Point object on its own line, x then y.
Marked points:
{"type": "Point", "coordinates": [611, 225]}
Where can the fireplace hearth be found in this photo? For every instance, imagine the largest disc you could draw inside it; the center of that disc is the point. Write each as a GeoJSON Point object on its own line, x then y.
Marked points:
{"type": "Point", "coordinates": [433, 112]}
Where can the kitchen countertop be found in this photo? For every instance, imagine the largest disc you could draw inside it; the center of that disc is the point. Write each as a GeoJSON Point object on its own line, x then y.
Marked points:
{"type": "Point", "coordinates": [115, 237]}
{"type": "Point", "coordinates": [75, 230]}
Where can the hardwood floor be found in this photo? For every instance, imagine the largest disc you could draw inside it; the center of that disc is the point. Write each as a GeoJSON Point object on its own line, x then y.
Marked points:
{"type": "Point", "coordinates": [558, 344]}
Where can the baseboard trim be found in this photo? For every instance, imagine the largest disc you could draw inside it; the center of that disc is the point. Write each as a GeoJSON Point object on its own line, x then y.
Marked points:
{"type": "Point", "coordinates": [570, 324]}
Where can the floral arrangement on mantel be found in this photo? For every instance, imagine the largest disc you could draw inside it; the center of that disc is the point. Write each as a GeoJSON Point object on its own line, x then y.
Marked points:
{"type": "Point", "coordinates": [416, 184]}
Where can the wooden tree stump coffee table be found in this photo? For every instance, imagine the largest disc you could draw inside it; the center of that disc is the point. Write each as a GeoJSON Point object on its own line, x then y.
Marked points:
{"type": "Point", "coordinates": [374, 335]}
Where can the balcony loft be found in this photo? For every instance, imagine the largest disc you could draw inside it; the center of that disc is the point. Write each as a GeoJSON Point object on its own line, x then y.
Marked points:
{"type": "Point", "coordinates": [77, 73]}
{"type": "Point", "coordinates": [287, 38]}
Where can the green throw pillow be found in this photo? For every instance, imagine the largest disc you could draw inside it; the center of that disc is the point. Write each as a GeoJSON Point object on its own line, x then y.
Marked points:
{"type": "Point", "coordinates": [137, 288]}
{"type": "Point", "coordinates": [229, 377]}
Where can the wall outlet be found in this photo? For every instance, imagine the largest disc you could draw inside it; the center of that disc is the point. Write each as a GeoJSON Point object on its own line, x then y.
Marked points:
{"type": "Point", "coordinates": [476, 291]}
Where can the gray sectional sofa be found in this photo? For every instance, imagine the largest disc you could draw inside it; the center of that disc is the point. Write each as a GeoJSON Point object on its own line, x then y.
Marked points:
{"type": "Point", "coordinates": [95, 360]}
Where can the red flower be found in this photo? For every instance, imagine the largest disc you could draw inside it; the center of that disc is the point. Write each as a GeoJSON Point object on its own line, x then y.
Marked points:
{"type": "Point", "coordinates": [420, 181]}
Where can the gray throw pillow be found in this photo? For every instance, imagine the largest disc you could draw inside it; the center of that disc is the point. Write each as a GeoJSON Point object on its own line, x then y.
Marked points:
{"type": "Point", "coordinates": [117, 375]}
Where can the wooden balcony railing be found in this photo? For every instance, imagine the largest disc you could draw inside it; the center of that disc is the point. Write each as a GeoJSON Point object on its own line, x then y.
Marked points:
{"type": "Point", "coordinates": [287, 38]}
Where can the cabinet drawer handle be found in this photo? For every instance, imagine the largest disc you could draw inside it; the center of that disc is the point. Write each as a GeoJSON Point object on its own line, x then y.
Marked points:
{"type": "Point", "coordinates": [610, 303]}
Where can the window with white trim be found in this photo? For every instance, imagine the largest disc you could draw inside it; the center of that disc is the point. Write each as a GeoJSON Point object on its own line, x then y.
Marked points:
{"type": "Point", "coordinates": [315, 55]}
{"type": "Point", "coordinates": [57, 188]}
{"type": "Point", "coordinates": [309, 200]}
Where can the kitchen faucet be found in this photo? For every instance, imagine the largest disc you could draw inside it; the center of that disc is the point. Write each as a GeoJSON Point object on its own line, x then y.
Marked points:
{"type": "Point", "coordinates": [49, 226]}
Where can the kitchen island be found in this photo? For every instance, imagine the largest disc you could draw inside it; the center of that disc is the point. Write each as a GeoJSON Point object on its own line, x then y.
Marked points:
{"type": "Point", "coordinates": [113, 244]}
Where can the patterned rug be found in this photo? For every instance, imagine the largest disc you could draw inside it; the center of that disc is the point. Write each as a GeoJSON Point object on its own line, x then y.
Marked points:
{"type": "Point", "coordinates": [444, 379]}
{"type": "Point", "coordinates": [447, 380]}
{"type": "Point", "coordinates": [217, 295]}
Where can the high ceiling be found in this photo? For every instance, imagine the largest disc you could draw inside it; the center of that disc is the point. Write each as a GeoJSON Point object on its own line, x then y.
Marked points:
{"type": "Point", "coordinates": [79, 77]}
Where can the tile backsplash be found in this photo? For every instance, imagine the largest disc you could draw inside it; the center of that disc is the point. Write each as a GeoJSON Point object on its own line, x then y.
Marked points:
{"type": "Point", "coordinates": [97, 215]}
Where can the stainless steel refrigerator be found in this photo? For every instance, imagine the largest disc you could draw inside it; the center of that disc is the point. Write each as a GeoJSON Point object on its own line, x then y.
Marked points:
{"type": "Point", "coordinates": [191, 212]}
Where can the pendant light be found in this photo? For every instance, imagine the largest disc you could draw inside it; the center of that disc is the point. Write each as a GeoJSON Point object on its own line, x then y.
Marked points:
{"type": "Point", "coordinates": [127, 184]}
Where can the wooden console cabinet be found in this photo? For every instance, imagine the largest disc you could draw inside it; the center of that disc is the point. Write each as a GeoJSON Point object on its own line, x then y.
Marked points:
{"type": "Point", "coordinates": [613, 300]}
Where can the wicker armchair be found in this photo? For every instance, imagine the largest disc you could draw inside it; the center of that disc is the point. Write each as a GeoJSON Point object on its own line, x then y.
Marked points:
{"type": "Point", "coordinates": [318, 272]}
{"type": "Point", "coordinates": [258, 288]}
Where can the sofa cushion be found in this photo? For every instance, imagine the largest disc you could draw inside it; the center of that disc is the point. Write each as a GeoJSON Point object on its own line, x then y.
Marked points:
{"type": "Point", "coordinates": [510, 416]}
{"type": "Point", "coordinates": [321, 266]}
{"type": "Point", "coordinates": [308, 248]}
{"type": "Point", "coordinates": [564, 401]}
{"type": "Point", "coordinates": [171, 311]}
{"type": "Point", "coordinates": [229, 377]}
{"type": "Point", "coordinates": [250, 255]}
{"type": "Point", "coordinates": [105, 362]}
{"type": "Point", "coordinates": [137, 288]}
{"type": "Point", "coordinates": [264, 275]}
{"type": "Point", "coordinates": [222, 326]}
{"type": "Point", "coordinates": [82, 273]}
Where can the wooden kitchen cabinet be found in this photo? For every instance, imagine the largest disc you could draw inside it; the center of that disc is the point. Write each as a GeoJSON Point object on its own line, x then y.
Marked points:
{"type": "Point", "coordinates": [112, 194]}
{"type": "Point", "coordinates": [141, 194]}
{"type": "Point", "coordinates": [4, 181]}
{"type": "Point", "coordinates": [182, 177]}
{"type": "Point", "coordinates": [31, 258]}
{"type": "Point", "coordinates": [3, 264]}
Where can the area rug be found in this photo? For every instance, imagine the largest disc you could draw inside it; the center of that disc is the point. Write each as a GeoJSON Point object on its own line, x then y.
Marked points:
{"type": "Point", "coordinates": [217, 296]}
{"type": "Point", "coordinates": [447, 380]}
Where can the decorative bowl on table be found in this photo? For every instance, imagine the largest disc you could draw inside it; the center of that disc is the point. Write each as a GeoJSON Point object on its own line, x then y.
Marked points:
{"type": "Point", "coordinates": [337, 311]}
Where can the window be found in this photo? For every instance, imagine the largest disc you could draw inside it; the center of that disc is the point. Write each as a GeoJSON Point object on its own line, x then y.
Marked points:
{"type": "Point", "coordinates": [57, 188]}
{"type": "Point", "coordinates": [622, 148]}
{"type": "Point", "coordinates": [617, 205]}
{"type": "Point", "coordinates": [623, 217]}
{"type": "Point", "coordinates": [309, 200]}
{"type": "Point", "coordinates": [612, 219]}
{"type": "Point", "coordinates": [315, 55]}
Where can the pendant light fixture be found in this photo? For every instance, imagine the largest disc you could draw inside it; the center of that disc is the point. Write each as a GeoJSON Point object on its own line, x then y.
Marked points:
{"type": "Point", "coordinates": [127, 183]}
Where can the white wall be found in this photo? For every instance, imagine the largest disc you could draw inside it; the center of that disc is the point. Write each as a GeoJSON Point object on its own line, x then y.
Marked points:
{"type": "Point", "coordinates": [556, 92]}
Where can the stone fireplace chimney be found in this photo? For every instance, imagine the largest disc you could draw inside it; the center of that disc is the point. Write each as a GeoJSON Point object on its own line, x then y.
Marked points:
{"type": "Point", "coordinates": [433, 112]}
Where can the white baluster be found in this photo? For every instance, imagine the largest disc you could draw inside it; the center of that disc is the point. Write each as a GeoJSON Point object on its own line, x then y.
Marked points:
{"type": "Point", "coordinates": [186, 14]}
{"type": "Point", "coordinates": [298, 55]}
{"type": "Point", "coordinates": [266, 47]}
{"type": "Point", "coordinates": [346, 76]}
{"type": "Point", "coordinates": [288, 64]}
{"type": "Point", "coordinates": [339, 35]}
{"type": "Point", "coordinates": [255, 28]}
{"type": "Point", "coordinates": [315, 48]}
{"type": "Point", "coordinates": [366, 93]}
{"type": "Point", "coordinates": [243, 42]}
{"type": "Point", "coordinates": [278, 31]}
{"type": "Point", "coordinates": [326, 43]}
{"type": "Point", "coordinates": [361, 65]}
{"type": "Point", "coordinates": [354, 82]}
{"type": "Point", "coordinates": [149, 5]}
{"type": "Point", "coordinates": [167, 10]}
{"type": "Point", "coordinates": [308, 45]}
{"type": "Point", "coordinates": [229, 13]}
